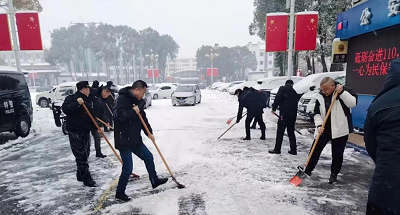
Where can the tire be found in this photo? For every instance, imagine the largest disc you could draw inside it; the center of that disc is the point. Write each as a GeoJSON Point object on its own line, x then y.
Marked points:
{"type": "Point", "coordinates": [155, 96]}
{"type": "Point", "coordinates": [194, 103]}
{"type": "Point", "coordinates": [23, 126]}
{"type": "Point", "coordinates": [200, 100]}
{"type": "Point", "coordinates": [64, 128]}
{"type": "Point", "coordinates": [174, 105]}
{"type": "Point", "coordinates": [43, 102]}
{"type": "Point", "coordinates": [224, 90]}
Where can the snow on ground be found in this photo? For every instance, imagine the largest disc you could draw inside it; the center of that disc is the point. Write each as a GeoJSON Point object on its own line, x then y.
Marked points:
{"type": "Point", "coordinates": [226, 176]}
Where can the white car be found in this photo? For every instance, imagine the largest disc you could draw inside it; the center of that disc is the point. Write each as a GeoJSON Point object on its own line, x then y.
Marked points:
{"type": "Point", "coordinates": [307, 101]}
{"type": "Point", "coordinates": [248, 84]}
{"type": "Point", "coordinates": [186, 94]}
{"type": "Point", "coordinates": [162, 91]}
{"type": "Point", "coordinates": [62, 91]}
{"type": "Point", "coordinates": [216, 85]}
{"type": "Point", "coordinates": [225, 88]}
{"type": "Point", "coordinates": [44, 99]}
{"type": "Point", "coordinates": [267, 84]}
{"type": "Point", "coordinates": [309, 82]}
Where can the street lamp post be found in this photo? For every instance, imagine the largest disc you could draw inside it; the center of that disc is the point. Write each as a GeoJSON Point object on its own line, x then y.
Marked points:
{"type": "Point", "coordinates": [152, 58]}
{"type": "Point", "coordinates": [212, 56]}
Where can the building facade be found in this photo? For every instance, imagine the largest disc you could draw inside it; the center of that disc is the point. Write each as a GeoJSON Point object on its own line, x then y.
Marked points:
{"type": "Point", "coordinates": [265, 60]}
{"type": "Point", "coordinates": [179, 64]}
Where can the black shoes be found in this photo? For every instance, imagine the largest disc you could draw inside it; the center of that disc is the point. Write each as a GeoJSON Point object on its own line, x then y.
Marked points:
{"type": "Point", "coordinates": [333, 179]}
{"type": "Point", "coordinates": [274, 152]}
{"type": "Point", "coordinates": [247, 138]}
{"type": "Point", "coordinates": [155, 182]}
{"type": "Point", "coordinates": [263, 138]}
{"type": "Point", "coordinates": [308, 171]}
{"type": "Point", "coordinates": [292, 152]}
{"type": "Point", "coordinates": [101, 156]}
{"type": "Point", "coordinates": [90, 183]}
{"type": "Point", "coordinates": [122, 196]}
{"type": "Point", "coordinates": [79, 177]}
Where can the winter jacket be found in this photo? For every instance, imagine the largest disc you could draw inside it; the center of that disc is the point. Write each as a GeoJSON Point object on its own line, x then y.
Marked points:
{"type": "Point", "coordinates": [250, 100]}
{"type": "Point", "coordinates": [127, 123]}
{"type": "Point", "coordinates": [286, 99]}
{"type": "Point", "coordinates": [99, 106]}
{"type": "Point", "coordinates": [382, 140]}
{"type": "Point", "coordinates": [340, 116]}
{"type": "Point", "coordinates": [77, 118]}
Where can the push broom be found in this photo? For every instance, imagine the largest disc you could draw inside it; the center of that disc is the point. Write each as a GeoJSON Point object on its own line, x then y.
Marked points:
{"type": "Point", "coordinates": [298, 178]}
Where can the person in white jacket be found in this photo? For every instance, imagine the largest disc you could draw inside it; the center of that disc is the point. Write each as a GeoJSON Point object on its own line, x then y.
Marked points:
{"type": "Point", "coordinates": [337, 127]}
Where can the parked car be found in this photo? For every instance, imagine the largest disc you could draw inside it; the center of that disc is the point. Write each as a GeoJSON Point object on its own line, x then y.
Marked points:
{"type": "Point", "coordinates": [186, 94]}
{"type": "Point", "coordinates": [225, 88]}
{"type": "Point", "coordinates": [162, 90]}
{"type": "Point", "coordinates": [16, 112]}
{"type": "Point", "coordinates": [45, 99]}
{"type": "Point", "coordinates": [215, 85]}
{"type": "Point", "coordinates": [62, 91]}
{"type": "Point", "coordinates": [44, 88]}
{"type": "Point", "coordinates": [307, 101]}
{"type": "Point", "coordinates": [202, 86]}
{"type": "Point", "coordinates": [265, 85]}
{"type": "Point", "coordinates": [249, 84]}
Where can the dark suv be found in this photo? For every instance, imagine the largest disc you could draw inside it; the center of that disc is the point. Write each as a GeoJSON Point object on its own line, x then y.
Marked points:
{"type": "Point", "coordinates": [16, 112]}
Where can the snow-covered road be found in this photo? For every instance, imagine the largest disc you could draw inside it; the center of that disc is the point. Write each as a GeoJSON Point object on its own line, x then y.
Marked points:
{"type": "Point", "coordinates": [226, 176]}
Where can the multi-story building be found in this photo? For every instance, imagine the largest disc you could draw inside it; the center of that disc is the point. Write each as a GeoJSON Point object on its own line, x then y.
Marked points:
{"type": "Point", "coordinates": [265, 60]}
{"type": "Point", "coordinates": [179, 64]}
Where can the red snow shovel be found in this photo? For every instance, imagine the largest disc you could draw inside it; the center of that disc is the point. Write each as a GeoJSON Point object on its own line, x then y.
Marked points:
{"type": "Point", "coordinates": [230, 119]}
{"type": "Point", "coordinates": [298, 178]}
{"type": "Point", "coordinates": [180, 186]}
{"type": "Point", "coordinates": [104, 136]}
{"type": "Point", "coordinates": [230, 128]}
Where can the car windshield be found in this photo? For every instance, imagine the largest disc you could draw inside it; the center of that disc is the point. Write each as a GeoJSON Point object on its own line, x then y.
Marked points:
{"type": "Point", "coordinates": [184, 89]}
{"type": "Point", "coordinates": [341, 80]}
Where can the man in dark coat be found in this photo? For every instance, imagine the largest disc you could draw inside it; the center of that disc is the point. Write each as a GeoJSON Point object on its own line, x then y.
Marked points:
{"type": "Point", "coordinates": [98, 96]}
{"type": "Point", "coordinates": [251, 101]}
{"type": "Point", "coordinates": [286, 99]}
{"type": "Point", "coordinates": [109, 102]}
{"type": "Point", "coordinates": [127, 136]}
{"type": "Point", "coordinates": [382, 140]}
{"type": "Point", "coordinates": [79, 125]}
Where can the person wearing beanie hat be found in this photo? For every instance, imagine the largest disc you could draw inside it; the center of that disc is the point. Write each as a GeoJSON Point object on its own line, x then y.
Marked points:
{"type": "Point", "coordinates": [95, 84]}
{"type": "Point", "coordinates": [79, 125]}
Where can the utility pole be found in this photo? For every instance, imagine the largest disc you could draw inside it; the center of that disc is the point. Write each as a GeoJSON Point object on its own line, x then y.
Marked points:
{"type": "Point", "coordinates": [291, 32]}
{"type": "Point", "coordinates": [11, 13]}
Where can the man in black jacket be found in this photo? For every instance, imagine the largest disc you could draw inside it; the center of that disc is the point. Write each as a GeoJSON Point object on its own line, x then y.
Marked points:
{"type": "Point", "coordinates": [109, 104]}
{"type": "Point", "coordinates": [382, 140]}
{"type": "Point", "coordinates": [79, 125]}
{"type": "Point", "coordinates": [127, 136]}
{"type": "Point", "coordinates": [253, 103]}
{"type": "Point", "coordinates": [98, 97]}
{"type": "Point", "coordinates": [286, 99]}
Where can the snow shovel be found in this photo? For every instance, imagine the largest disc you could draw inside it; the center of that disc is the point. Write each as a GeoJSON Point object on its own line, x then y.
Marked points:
{"type": "Point", "coordinates": [180, 186]}
{"type": "Point", "coordinates": [104, 136]}
{"type": "Point", "coordinates": [298, 178]}
{"type": "Point", "coordinates": [294, 129]}
{"type": "Point", "coordinates": [230, 127]}
{"type": "Point", "coordinates": [230, 119]}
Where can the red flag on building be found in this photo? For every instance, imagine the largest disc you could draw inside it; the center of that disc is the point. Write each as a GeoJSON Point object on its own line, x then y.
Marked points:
{"type": "Point", "coordinates": [214, 74]}
{"type": "Point", "coordinates": [276, 32]}
{"type": "Point", "coordinates": [150, 73]}
{"type": "Point", "coordinates": [306, 31]}
{"type": "Point", "coordinates": [29, 31]}
{"type": "Point", "coordinates": [5, 38]}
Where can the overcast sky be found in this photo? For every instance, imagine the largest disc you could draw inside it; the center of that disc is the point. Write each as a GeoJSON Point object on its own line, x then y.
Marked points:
{"type": "Point", "coordinates": [191, 23]}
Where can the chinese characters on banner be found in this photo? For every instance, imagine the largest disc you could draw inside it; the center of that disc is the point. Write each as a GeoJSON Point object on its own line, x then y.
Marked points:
{"type": "Point", "coordinates": [375, 62]}
{"type": "Point", "coordinates": [368, 60]}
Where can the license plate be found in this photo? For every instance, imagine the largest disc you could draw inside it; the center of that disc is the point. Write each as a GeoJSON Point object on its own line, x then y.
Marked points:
{"type": "Point", "coordinates": [181, 101]}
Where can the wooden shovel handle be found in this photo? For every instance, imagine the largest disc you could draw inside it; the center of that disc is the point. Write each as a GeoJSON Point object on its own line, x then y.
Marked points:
{"type": "Point", "coordinates": [155, 144]}
{"type": "Point", "coordinates": [323, 126]}
{"type": "Point", "coordinates": [101, 132]}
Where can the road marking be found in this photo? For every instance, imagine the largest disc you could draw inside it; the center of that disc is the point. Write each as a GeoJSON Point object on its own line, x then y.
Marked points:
{"type": "Point", "coordinates": [105, 195]}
